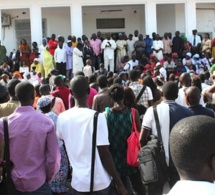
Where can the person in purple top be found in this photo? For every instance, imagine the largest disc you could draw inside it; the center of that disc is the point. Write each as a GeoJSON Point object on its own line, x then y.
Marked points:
{"type": "Point", "coordinates": [34, 149]}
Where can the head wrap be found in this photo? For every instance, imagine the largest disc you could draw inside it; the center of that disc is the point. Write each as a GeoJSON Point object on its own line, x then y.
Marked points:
{"type": "Point", "coordinates": [184, 38]}
{"type": "Point", "coordinates": [44, 101]}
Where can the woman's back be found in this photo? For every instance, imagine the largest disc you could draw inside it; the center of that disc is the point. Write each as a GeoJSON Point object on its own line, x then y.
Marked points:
{"type": "Point", "coordinates": [119, 127]}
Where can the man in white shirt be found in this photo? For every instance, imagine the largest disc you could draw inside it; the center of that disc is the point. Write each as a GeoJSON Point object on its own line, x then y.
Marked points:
{"type": "Point", "coordinates": [195, 42]}
{"type": "Point", "coordinates": [60, 59]}
{"type": "Point", "coordinates": [169, 113]}
{"type": "Point", "coordinates": [109, 45]}
{"type": "Point", "coordinates": [75, 127]}
{"type": "Point", "coordinates": [193, 152]}
{"type": "Point", "coordinates": [130, 65]}
{"type": "Point", "coordinates": [185, 82]}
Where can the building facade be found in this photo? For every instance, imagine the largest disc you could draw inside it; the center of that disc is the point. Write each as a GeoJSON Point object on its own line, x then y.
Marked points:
{"type": "Point", "coordinates": [33, 20]}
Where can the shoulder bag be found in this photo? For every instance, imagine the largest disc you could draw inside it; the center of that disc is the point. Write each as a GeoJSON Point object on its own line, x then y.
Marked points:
{"type": "Point", "coordinates": [133, 145]}
{"type": "Point", "coordinates": [152, 161]}
{"type": "Point", "coordinates": [7, 186]}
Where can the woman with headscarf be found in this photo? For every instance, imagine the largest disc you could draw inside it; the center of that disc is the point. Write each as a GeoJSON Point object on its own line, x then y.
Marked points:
{"type": "Point", "coordinates": [42, 48]}
{"type": "Point", "coordinates": [186, 46]}
{"type": "Point", "coordinates": [206, 43]}
{"type": "Point", "coordinates": [25, 52]}
{"type": "Point", "coordinates": [47, 62]}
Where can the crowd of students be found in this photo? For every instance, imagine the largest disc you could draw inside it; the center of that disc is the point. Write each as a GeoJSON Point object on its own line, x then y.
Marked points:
{"type": "Point", "coordinates": [51, 120]}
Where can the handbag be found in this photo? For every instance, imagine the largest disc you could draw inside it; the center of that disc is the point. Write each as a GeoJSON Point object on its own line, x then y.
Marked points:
{"type": "Point", "coordinates": [152, 161]}
{"type": "Point", "coordinates": [133, 145]}
{"type": "Point", "coordinates": [7, 186]}
{"type": "Point", "coordinates": [93, 151]}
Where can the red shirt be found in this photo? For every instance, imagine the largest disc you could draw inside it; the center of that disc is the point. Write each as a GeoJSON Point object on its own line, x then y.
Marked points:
{"type": "Point", "coordinates": [93, 92]}
{"type": "Point", "coordinates": [63, 93]}
{"type": "Point", "coordinates": [51, 44]}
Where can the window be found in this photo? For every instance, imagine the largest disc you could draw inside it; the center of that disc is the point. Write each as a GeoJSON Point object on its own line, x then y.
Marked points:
{"type": "Point", "coordinates": [110, 23]}
{"type": "Point", "coordinates": [23, 30]}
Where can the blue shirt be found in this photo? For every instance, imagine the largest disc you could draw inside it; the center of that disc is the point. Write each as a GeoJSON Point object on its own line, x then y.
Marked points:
{"type": "Point", "coordinates": [200, 110]}
{"type": "Point", "coordinates": [149, 43]}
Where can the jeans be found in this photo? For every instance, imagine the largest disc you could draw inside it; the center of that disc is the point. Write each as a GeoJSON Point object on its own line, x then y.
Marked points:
{"type": "Point", "coordinates": [43, 190]}
{"type": "Point", "coordinates": [96, 61]}
{"type": "Point", "coordinates": [106, 191]}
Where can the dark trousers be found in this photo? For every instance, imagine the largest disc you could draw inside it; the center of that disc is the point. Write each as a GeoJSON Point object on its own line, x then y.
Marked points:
{"type": "Point", "coordinates": [96, 61]}
{"type": "Point", "coordinates": [136, 184]}
{"type": "Point", "coordinates": [106, 191]}
{"type": "Point", "coordinates": [157, 189]}
{"type": "Point", "coordinates": [43, 190]}
{"type": "Point", "coordinates": [61, 67]}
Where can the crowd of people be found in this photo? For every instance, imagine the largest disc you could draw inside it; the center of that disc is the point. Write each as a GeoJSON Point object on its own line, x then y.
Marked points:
{"type": "Point", "coordinates": [50, 95]}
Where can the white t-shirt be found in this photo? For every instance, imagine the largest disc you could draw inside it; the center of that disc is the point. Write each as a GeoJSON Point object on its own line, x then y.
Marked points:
{"type": "Point", "coordinates": [131, 64]}
{"type": "Point", "coordinates": [75, 127]}
{"type": "Point", "coordinates": [181, 98]}
{"type": "Point", "coordinates": [87, 70]}
{"type": "Point", "coordinates": [187, 187]}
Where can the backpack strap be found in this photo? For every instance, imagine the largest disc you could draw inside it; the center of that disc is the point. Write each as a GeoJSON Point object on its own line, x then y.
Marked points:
{"type": "Point", "coordinates": [158, 127]}
{"type": "Point", "coordinates": [140, 94]}
{"type": "Point", "coordinates": [93, 151]}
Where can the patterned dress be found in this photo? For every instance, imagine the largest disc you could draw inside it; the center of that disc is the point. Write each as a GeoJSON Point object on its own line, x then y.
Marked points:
{"type": "Point", "coordinates": [58, 184]}
{"type": "Point", "coordinates": [119, 127]}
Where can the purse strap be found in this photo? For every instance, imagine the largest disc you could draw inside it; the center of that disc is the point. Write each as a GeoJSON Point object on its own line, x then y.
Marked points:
{"type": "Point", "coordinates": [7, 148]}
{"type": "Point", "coordinates": [158, 127]}
{"type": "Point", "coordinates": [140, 94]}
{"type": "Point", "coordinates": [133, 116]}
{"type": "Point", "coordinates": [93, 151]}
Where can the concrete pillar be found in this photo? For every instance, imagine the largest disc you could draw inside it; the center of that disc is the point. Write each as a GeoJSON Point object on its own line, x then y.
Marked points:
{"type": "Point", "coordinates": [150, 17]}
{"type": "Point", "coordinates": [76, 19]}
{"type": "Point", "coordinates": [36, 24]}
{"type": "Point", "coordinates": [190, 17]}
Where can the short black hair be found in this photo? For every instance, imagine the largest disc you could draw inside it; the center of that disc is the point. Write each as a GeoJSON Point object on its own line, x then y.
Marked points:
{"type": "Point", "coordinates": [77, 91]}
{"type": "Point", "coordinates": [170, 90]}
{"type": "Point", "coordinates": [202, 77]}
{"type": "Point", "coordinates": [116, 92]}
{"type": "Point", "coordinates": [11, 86]}
{"type": "Point", "coordinates": [79, 73]}
{"type": "Point", "coordinates": [102, 81]}
{"type": "Point", "coordinates": [133, 75]}
{"type": "Point", "coordinates": [24, 91]}
{"type": "Point", "coordinates": [44, 89]}
{"type": "Point", "coordinates": [92, 79]}
{"type": "Point", "coordinates": [117, 80]}
{"type": "Point", "coordinates": [207, 75]}
{"type": "Point", "coordinates": [58, 81]}
{"type": "Point", "coordinates": [192, 144]}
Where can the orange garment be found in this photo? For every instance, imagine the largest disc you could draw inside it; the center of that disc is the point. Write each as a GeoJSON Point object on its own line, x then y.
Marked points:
{"type": "Point", "coordinates": [74, 44]}
{"type": "Point", "coordinates": [25, 53]}
{"type": "Point", "coordinates": [35, 102]}
{"type": "Point", "coordinates": [16, 73]}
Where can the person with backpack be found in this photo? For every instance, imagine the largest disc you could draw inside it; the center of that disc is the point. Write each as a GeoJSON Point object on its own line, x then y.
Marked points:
{"type": "Point", "coordinates": [169, 113]}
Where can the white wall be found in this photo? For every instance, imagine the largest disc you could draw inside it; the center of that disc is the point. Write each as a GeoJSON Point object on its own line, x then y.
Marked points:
{"type": "Point", "coordinates": [58, 21]}
{"type": "Point", "coordinates": [8, 33]}
{"type": "Point", "coordinates": [180, 18]}
{"type": "Point", "coordinates": [205, 18]}
{"type": "Point", "coordinates": [132, 20]}
{"type": "Point", "coordinates": [165, 18]}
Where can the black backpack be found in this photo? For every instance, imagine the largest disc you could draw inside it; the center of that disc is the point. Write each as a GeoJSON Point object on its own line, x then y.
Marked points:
{"type": "Point", "coordinates": [152, 161]}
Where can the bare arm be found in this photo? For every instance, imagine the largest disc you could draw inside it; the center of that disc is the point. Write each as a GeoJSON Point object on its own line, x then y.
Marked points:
{"type": "Point", "coordinates": [143, 136]}
{"type": "Point", "coordinates": [109, 166]}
